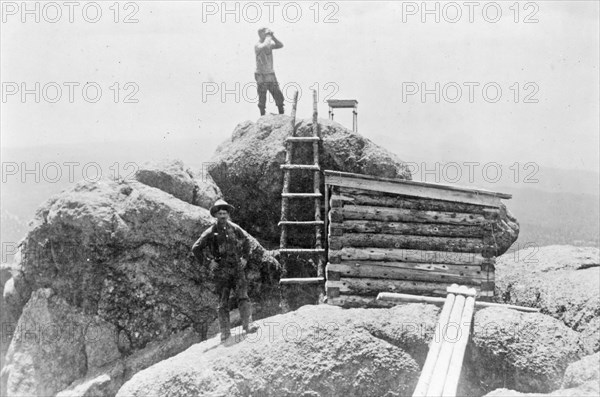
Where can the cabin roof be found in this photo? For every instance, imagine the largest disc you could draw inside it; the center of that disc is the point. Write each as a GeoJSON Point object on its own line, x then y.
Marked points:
{"type": "Point", "coordinates": [416, 189]}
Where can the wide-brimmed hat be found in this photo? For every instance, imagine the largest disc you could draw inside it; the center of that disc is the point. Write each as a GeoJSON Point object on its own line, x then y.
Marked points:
{"type": "Point", "coordinates": [221, 205]}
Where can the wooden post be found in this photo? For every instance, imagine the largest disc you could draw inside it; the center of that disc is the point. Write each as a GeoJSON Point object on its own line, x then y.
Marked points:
{"type": "Point", "coordinates": [317, 184]}
{"type": "Point", "coordinates": [286, 176]}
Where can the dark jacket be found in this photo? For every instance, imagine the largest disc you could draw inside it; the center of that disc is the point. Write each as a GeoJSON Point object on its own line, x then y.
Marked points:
{"type": "Point", "coordinates": [228, 244]}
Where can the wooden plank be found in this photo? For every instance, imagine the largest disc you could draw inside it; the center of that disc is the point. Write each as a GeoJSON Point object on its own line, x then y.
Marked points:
{"type": "Point", "coordinates": [449, 334]}
{"type": "Point", "coordinates": [308, 139]}
{"type": "Point", "coordinates": [342, 103]}
{"type": "Point", "coordinates": [301, 223]}
{"type": "Point", "coordinates": [301, 195]}
{"type": "Point", "coordinates": [312, 167]}
{"type": "Point", "coordinates": [417, 189]}
{"type": "Point", "coordinates": [450, 268]}
{"type": "Point", "coordinates": [458, 353]}
{"type": "Point", "coordinates": [405, 255]}
{"type": "Point", "coordinates": [417, 229]}
{"type": "Point", "coordinates": [342, 198]}
{"type": "Point", "coordinates": [302, 280]}
{"type": "Point", "coordinates": [372, 286]}
{"type": "Point", "coordinates": [301, 250]}
{"type": "Point", "coordinates": [461, 289]}
{"type": "Point", "coordinates": [403, 273]}
{"type": "Point", "coordinates": [434, 349]}
{"type": "Point", "coordinates": [379, 199]}
{"type": "Point", "coordinates": [363, 240]}
{"type": "Point", "coordinates": [407, 298]}
{"type": "Point", "coordinates": [358, 301]}
{"type": "Point", "coordinates": [386, 214]}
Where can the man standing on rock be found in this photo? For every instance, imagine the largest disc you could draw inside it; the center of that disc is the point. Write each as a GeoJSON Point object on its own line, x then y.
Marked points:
{"type": "Point", "coordinates": [265, 75]}
{"type": "Point", "coordinates": [227, 247]}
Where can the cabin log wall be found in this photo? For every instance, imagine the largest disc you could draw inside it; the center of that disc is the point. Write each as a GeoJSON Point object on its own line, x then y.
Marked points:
{"type": "Point", "coordinates": [386, 241]}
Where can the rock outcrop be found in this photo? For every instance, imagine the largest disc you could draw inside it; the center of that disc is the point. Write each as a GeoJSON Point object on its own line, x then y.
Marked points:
{"type": "Point", "coordinates": [172, 176]}
{"type": "Point", "coordinates": [585, 370]}
{"type": "Point", "coordinates": [315, 351]}
{"type": "Point", "coordinates": [328, 351]}
{"type": "Point", "coordinates": [57, 348]}
{"type": "Point", "coordinates": [120, 251]}
{"type": "Point", "coordinates": [563, 281]}
{"type": "Point", "coordinates": [581, 379]}
{"type": "Point", "coordinates": [8, 321]}
{"type": "Point", "coordinates": [528, 352]}
{"type": "Point", "coordinates": [114, 257]}
{"type": "Point", "coordinates": [247, 167]}
{"type": "Point", "coordinates": [55, 344]}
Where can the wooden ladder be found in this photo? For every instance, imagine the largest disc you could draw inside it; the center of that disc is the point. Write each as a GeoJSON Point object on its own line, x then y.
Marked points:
{"type": "Point", "coordinates": [315, 195]}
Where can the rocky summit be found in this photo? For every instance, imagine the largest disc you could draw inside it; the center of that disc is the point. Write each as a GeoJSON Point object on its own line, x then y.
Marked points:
{"type": "Point", "coordinates": [106, 298]}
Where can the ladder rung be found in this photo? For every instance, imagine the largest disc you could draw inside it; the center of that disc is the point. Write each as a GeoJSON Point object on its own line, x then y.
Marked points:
{"type": "Point", "coordinates": [302, 139]}
{"type": "Point", "coordinates": [300, 195]}
{"type": "Point", "coordinates": [300, 167]}
{"type": "Point", "coordinates": [302, 280]}
{"type": "Point", "coordinates": [301, 250]}
{"type": "Point", "coordinates": [302, 223]}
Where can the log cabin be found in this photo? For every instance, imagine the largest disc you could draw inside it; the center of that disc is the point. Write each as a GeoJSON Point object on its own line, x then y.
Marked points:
{"type": "Point", "coordinates": [390, 235]}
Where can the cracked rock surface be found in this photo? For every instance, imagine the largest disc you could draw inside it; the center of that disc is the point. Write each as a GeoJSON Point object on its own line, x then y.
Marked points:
{"type": "Point", "coordinates": [121, 251]}
{"type": "Point", "coordinates": [563, 281]}
{"type": "Point", "coordinates": [328, 351]}
{"type": "Point", "coordinates": [315, 351]}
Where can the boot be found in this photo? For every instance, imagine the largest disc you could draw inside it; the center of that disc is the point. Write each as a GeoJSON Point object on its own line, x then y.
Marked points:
{"type": "Point", "coordinates": [246, 314]}
{"type": "Point", "coordinates": [224, 325]}
{"type": "Point", "coordinates": [281, 109]}
{"type": "Point", "coordinates": [262, 111]}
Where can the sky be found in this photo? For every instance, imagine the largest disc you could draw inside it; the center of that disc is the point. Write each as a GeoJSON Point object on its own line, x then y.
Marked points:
{"type": "Point", "coordinates": [182, 71]}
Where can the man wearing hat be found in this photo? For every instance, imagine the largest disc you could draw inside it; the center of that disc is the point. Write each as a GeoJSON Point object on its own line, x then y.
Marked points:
{"type": "Point", "coordinates": [265, 75]}
{"type": "Point", "coordinates": [227, 247]}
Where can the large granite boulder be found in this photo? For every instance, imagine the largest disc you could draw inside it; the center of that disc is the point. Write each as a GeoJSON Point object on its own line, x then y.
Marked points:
{"type": "Point", "coordinates": [120, 250]}
{"type": "Point", "coordinates": [315, 351]}
{"type": "Point", "coordinates": [58, 348]}
{"type": "Point", "coordinates": [7, 320]}
{"type": "Point", "coordinates": [585, 370]}
{"type": "Point", "coordinates": [53, 345]}
{"type": "Point", "coordinates": [527, 352]}
{"type": "Point", "coordinates": [328, 351]}
{"type": "Point", "coordinates": [563, 281]}
{"type": "Point", "coordinates": [582, 379]}
{"type": "Point", "coordinates": [172, 176]}
{"type": "Point", "coordinates": [247, 168]}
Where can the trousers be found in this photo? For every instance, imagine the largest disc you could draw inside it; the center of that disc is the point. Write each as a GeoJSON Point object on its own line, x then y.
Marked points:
{"type": "Point", "coordinates": [233, 279]}
{"type": "Point", "coordinates": [268, 83]}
